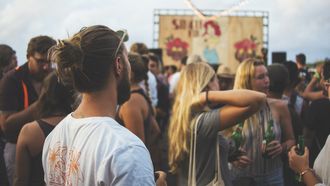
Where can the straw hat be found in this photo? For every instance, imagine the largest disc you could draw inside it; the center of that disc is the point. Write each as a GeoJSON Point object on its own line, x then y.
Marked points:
{"type": "Point", "coordinates": [224, 72]}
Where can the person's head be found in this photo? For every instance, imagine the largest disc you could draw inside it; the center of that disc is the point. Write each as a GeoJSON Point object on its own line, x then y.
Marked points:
{"type": "Point", "coordinates": [252, 74]}
{"type": "Point", "coordinates": [212, 28]}
{"type": "Point", "coordinates": [139, 48]}
{"type": "Point", "coordinates": [171, 69]}
{"type": "Point", "coordinates": [194, 79]}
{"type": "Point", "coordinates": [301, 59]}
{"type": "Point", "coordinates": [8, 59]}
{"type": "Point", "coordinates": [193, 59]}
{"type": "Point", "coordinates": [94, 59]}
{"type": "Point", "coordinates": [139, 71]}
{"type": "Point", "coordinates": [145, 59]}
{"type": "Point", "coordinates": [326, 78]}
{"type": "Point", "coordinates": [37, 50]}
{"type": "Point", "coordinates": [226, 77]}
{"type": "Point", "coordinates": [326, 71]}
{"type": "Point", "coordinates": [55, 98]}
{"type": "Point", "coordinates": [293, 73]}
{"type": "Point", "coordinates": [154, 64]}
{"type": "Point", "coordinates": [278, 77]}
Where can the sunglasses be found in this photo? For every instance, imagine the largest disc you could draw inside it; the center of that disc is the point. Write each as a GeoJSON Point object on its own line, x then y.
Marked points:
{"type": "Point", "coordinates": [123, 35]}
{"type": "Point", "coordinates": [40, 61]}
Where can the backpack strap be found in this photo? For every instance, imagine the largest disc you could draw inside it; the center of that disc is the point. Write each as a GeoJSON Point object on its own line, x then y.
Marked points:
{"type": "Point", "coordinates": [192, 152]}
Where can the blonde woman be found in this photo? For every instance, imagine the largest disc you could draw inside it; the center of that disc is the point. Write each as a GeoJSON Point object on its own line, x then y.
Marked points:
{"type": "Point", "coordinates": [197, 92]}
{"type": "Point", "coordinates": [262, 164]}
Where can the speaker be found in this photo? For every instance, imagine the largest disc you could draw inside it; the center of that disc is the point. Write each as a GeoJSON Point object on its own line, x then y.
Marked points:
{"type": "Point", "coordinates": [278, 57]}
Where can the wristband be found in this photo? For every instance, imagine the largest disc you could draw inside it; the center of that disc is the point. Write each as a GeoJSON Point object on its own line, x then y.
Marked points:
{"type": "Point", "coordinates": [207, 98]}
{"type": "Point", "coordinates": [304, 172]}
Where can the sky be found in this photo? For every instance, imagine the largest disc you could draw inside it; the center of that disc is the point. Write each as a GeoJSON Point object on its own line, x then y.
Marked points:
{"type": "Point", "coordinates": [295, 26]}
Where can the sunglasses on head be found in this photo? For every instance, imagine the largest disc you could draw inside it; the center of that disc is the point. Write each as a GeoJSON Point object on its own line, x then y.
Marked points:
{"type": "Point", "coordinates": [123, 35]}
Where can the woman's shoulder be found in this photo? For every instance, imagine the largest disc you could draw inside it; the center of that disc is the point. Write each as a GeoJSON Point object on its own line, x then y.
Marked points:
{"type": "Point", "coordinates": [30, 129]}
{"type": "Point", "coordinates": [135, 103]}
{"type": "Point", "coordinates": [31, 136]}
{"type": "Point", "coordinates": [136, 100]}
{"type": "Point", "coordinates": [277, 103]}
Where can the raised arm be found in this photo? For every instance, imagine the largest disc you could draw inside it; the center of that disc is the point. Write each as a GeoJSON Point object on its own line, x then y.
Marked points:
{"type": "Point", "coordinates": [240, 104]}
{"type": "Point", "coordinates": [311, 95]}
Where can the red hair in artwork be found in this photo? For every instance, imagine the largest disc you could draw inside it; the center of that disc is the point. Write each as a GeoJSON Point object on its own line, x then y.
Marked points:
{"type": "Point", "coordinates": [213, 25]}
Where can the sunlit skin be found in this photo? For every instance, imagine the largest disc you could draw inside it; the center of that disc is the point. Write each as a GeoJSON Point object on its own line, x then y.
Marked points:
{"type": "Point", "coordinates": [260, 82]}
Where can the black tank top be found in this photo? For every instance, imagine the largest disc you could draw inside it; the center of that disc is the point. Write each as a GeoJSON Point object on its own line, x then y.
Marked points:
{"type": "Point", "coordinates": [37, 172]}
{"type": "Point", "coordinates": [146, 122]}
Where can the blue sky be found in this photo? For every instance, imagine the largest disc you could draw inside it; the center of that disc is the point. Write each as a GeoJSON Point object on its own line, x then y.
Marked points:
{"type": "Point", "coordinates": [295, 25]}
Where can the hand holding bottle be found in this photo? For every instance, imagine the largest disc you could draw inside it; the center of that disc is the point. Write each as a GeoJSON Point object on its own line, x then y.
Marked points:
{"type": "Point", "coordinates": [273, 149]}
{"type": "Point", "coordinates": [298, 163]}
{"type": "Point", "coordinates": [268, 141]}
{"type": "Point", "coordinates": [242, 160]}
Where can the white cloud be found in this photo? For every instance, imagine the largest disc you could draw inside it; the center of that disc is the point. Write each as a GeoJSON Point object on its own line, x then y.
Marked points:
{"type": "Point", "coordinates": [295, 25]}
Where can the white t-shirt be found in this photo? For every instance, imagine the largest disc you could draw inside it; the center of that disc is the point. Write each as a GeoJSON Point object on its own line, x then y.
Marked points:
{"type": "Point", "coordinates": [322, 163]}
{"type": "Point", "coordinates": [95, 151]}
{"type": "Point", "coordinates": [174, 81]}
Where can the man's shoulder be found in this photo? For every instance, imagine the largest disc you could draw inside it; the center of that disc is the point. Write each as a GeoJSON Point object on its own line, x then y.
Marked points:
{"type": "Point", "coordinates": [17, 74]}
{"type": "Point", "coordinates": [106, 128]}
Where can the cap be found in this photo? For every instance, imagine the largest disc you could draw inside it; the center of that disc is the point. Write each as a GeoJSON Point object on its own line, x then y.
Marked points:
{"type": "Point", "coordinates": [225, 72]}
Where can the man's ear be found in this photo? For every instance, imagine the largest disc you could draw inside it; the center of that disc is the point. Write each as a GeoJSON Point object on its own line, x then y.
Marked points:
{"type": "Point", "coordinates": [118, 67]}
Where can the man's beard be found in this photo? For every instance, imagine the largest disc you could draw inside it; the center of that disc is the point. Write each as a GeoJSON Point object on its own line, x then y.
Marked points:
{"type": "Point", "coordinates": [40, 76]}
{"type": "Point", "coordinates": [123, 89]}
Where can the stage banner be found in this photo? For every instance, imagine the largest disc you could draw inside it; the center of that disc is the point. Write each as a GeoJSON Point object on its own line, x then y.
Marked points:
{"type": "Point", "coordinates": [225, 40]}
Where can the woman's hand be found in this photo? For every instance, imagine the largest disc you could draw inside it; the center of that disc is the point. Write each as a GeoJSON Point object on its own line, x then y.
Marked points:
{"type": "Point", "coordinates": [242, 162]}
{"type": "Point", "coordinates": [274, 149]}
{"type": "Point", "coordinates": [298, 163]}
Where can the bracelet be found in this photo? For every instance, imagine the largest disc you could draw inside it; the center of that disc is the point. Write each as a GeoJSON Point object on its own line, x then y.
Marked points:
{"type": "Point", "coordinates": [304, 172]}
{"type": "Point", "coordinates": [207, 98]}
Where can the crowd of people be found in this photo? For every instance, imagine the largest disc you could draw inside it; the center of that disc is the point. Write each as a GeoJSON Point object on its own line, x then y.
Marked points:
{"type": "Point", "coordinates": [86, 110]}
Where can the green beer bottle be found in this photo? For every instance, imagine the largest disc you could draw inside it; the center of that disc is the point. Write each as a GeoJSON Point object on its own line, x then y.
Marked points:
{"type": "Point", "coordinates": [301, 145]}
{"type": "Point", "coordinates": [300, 151]}
{"type": "Point", "coordinates": [268, 137]}
{"type": "Point", "coordinates": [237, 136]}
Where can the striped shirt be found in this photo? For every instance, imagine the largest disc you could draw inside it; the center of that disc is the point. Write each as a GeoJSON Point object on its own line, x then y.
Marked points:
{"type": "Point", "coordinates": [253, 133]}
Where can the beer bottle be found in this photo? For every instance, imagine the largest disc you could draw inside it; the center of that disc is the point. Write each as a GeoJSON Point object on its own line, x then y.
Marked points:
{"type": "Point", "coordinates": [268, 137]}
{"type": "Point", "coordinates": [300, 151]}
{"type": "Point", "coordinates": [237, 136]}
{"type": "Point", "coordinates": [301, 145]}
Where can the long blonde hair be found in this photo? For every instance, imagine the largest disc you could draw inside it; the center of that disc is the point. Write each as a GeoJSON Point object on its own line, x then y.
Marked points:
{"type": "Point", "coordinates": [243, 80]}
{"type": "Point", "coordinates": [193, 79]}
